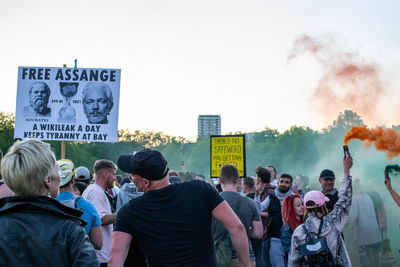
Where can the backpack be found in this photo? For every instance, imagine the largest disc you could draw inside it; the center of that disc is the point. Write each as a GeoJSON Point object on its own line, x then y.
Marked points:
{"type": "Point", "coordinates": [264, 194]}
{"type": "Point", "coordinates": [315, 252]}
{"type": "Point", "coordinates": [223, 250]}
{"type": "Point", "coordinates": [72, 202]}
{"type": "Point", "coordinates": [112, 200]}
{"type": "Point", "coordinates": [274, 220]}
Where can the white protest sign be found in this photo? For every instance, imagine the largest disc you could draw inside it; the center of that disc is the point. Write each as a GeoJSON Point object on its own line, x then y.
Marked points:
{"type": "Point", "coordinates": [67, 104]}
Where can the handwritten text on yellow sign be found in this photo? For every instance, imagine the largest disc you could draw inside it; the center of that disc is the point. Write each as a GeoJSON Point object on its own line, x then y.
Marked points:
{"type": "Point", "coordinates": [227, 150]}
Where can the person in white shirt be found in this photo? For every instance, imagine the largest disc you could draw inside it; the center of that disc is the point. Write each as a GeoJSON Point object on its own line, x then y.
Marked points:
{"type": "Point", "coordinates": [104, 171]}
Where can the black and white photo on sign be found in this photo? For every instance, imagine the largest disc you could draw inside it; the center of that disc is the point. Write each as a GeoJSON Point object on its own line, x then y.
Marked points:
{"type": "Point", "coordinates": [67, 111]}
{"type": "Point", "coordinates": [97, 100]}
{"type": "Point", "coordinates": [39, 94]}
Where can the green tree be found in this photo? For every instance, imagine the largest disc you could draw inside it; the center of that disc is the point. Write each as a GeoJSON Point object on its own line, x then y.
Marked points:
{"type": "Point", "coordinates": [6, 131]}
{"type": "Point", "coordinates": [345, 120]}
{"type": "Point", "coordinates": [173, 154]}
{"type": "Point", "coordinates": [148, 139]}
{"type": "Point", "coordinates": [298, 149]}
{"type": "Point", "coordinates": [199, 159]}
{"type": "Point", "coordinates": [332, 136]}
{"type": "Point", "coordinates": [259, 147]}
{"type": "Point", "coordinates": [266, 135]}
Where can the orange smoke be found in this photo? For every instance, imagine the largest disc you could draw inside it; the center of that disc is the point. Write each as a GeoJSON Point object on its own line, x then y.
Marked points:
{"type": "Point", "coordinates": [347, 82]}
{"type": "Point", "coordinates": [387, 140]}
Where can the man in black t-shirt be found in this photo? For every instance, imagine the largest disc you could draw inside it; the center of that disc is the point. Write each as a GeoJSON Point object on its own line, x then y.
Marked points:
{"type": "Point", "coordinates": [171, 223]}
{"type": "Point", "coordinates": [248, 187]}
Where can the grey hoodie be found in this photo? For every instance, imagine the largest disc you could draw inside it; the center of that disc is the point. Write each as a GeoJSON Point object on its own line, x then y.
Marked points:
{"type": "Point", "coordinates": [127, 192]}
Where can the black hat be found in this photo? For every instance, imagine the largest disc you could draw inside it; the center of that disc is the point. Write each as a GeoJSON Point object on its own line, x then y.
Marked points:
{"type": "Point", "coordinates": [124, 181]}
{"type": "Point", "coordinates": [327, 174]}
{"type": "Point", "coordinates": [175, 179]}
{"type": "Point", "coordinates": [149, 164]}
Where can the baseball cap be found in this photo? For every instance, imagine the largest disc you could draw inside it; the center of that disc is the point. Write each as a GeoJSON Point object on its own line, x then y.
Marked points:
{"type": "Point", "coordinates": [148, 163]}
{"type": "Point", "coordinates": [82, 173]}
{"type": "Point", "coordinates": [317, 197]}
{"type": "Point", "coordinates": [124, 181]}
{"type": "Point", "coordinates": [66, 171]}
{"type": "Point", "coordinates": [327, 174]}
{"type": "Point", "coordinates": [175, 179]}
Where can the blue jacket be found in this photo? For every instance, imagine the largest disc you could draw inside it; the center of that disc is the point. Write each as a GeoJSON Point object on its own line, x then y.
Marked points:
{"type": "Point", "coordinates": [286, 238]}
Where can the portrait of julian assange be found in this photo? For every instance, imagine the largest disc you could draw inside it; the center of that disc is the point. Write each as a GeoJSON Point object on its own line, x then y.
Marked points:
{"type": "Point", "coordinates": [97, 101]}
{"type": "Point", "coordinates": [39, 94]}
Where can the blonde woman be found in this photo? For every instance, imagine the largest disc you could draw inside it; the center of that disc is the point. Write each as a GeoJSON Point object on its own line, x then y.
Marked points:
{"type": "Point", "coordinates": [37, 230]}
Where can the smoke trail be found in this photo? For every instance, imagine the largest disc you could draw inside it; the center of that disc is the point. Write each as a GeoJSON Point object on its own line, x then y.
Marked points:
{"type": "Point", "coordinates": [387, 140]}
{"type": "Point", "coordinates": [347, 82]}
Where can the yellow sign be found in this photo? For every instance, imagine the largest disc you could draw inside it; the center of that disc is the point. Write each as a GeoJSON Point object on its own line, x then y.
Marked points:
{"type": "Point", "coordinates": [228, 149]}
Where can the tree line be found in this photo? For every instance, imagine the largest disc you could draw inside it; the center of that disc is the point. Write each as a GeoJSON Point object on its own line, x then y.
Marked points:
{"type": "Point", "coordinates": [298, 150]}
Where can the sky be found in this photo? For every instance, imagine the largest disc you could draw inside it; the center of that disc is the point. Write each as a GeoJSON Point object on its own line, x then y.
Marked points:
{"type": "Point", "coordinates": [183, 58]}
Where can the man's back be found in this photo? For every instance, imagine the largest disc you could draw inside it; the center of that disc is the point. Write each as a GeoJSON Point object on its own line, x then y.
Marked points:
{"type": "Point", "coordinates": [90, 214]}
{"type": "Point", "coordinates": [248, 212]}
{"type": "Point", "coordinates": [172, 225]}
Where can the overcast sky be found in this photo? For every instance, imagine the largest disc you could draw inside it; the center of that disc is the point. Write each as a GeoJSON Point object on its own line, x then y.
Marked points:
{"type": "Point", "coordinates": [182, 58]}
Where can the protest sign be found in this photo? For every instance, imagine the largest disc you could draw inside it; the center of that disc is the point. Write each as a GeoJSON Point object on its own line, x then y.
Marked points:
{"type": "Point", "coordinates": [227, 149]}
{"type": "Point", "coordinates": [67, 104]}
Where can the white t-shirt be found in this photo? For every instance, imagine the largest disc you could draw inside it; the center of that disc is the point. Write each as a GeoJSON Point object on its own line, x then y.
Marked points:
{"type": "Point", "coordinates": [95, 194]}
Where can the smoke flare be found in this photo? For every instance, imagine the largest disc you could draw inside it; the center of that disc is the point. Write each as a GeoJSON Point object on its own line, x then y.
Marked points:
{"type": "Point", "coordinates": [387, 140]}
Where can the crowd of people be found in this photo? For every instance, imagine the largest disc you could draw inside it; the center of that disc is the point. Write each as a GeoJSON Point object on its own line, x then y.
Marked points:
{"type": "Point", "coordinates": [54, 214]}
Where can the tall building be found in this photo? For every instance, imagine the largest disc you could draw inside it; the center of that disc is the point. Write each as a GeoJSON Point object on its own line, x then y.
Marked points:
{"type": "Point", "coordinates": [209, 125]}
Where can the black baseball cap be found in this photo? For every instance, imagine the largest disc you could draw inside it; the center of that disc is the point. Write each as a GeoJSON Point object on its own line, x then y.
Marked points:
{"type": "Point", "coordinates": [148, 163]}
{"type": "Point", "coordinates": [327, 174]}
{"type": "Point", "coordinates": [175, 179]}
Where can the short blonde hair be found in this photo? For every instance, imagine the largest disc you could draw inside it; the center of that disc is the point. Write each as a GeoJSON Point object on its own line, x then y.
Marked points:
{"type": "Point", "coordinates": [26, 165]}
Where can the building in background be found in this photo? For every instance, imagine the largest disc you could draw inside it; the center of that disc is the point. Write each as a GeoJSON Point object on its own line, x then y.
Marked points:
{"type": "Point", "coordinates": [209, 125]}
